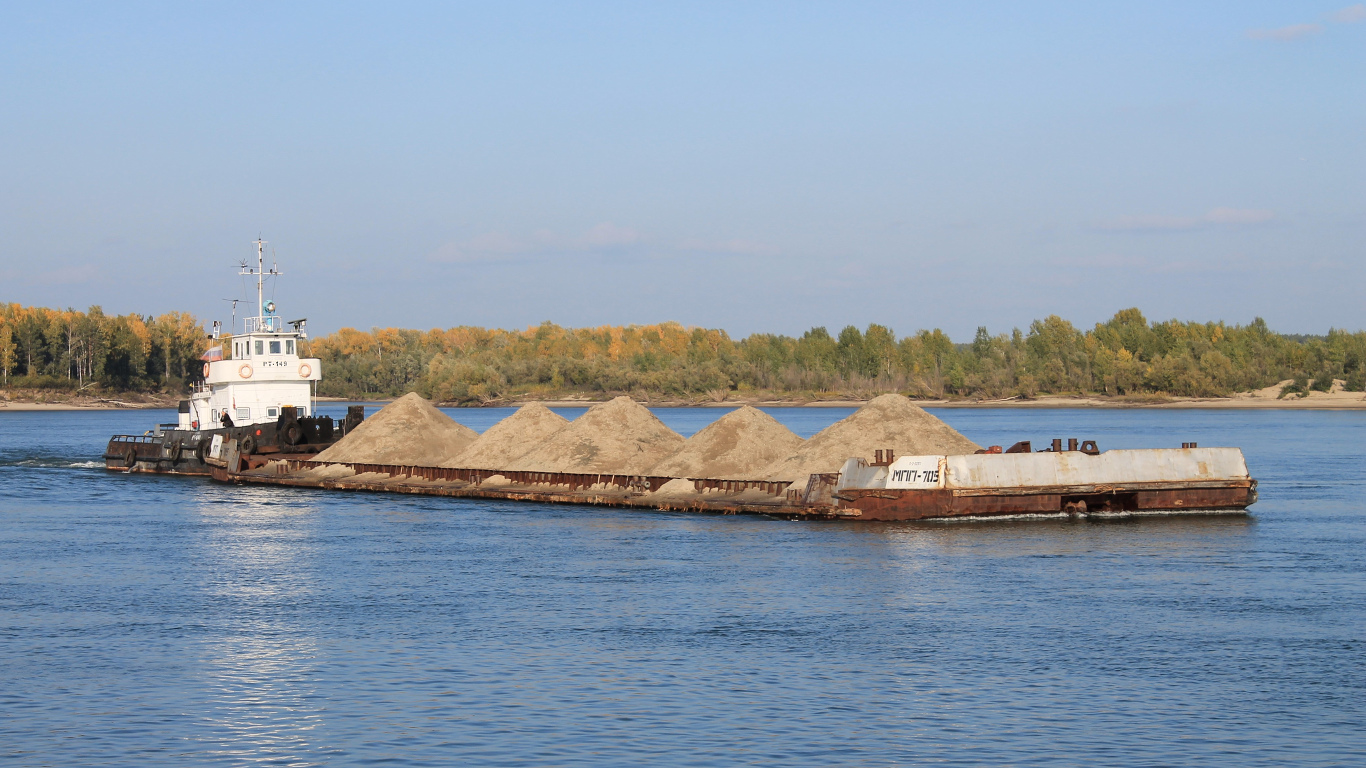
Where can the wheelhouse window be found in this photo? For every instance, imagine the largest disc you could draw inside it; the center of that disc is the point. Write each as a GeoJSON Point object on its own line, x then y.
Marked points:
{"type": "Point", "coordinates": [260, 347]}
{"type": "Point", "coordinates": [275, 347]}
{"type": "Point", "coordinates": [244, 414]}
{"type": "Point", "coordinates": [289, 346]}
{"type": "Point", "coordinates": [272, 412]}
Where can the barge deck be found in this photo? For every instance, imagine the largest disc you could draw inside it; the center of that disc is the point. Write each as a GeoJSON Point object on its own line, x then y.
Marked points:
{"type": "Point", "coordinates": [724, 497]}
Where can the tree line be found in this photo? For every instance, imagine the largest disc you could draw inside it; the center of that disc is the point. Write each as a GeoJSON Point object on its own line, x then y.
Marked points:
{"type": "Point", "coordinates": [1124, 356]}
{"type": "Point", "coordinates": [45, 348]}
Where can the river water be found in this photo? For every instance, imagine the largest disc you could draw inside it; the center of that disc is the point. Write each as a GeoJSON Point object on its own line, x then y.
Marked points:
{"type": "Point", "coordinates": [173, 621]}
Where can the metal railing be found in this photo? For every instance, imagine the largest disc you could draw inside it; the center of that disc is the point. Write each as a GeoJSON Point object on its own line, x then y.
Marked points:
{"type": "Point", "coordinates": [268, 324]}
{"type": "Point", "coordinates": [135, 439]}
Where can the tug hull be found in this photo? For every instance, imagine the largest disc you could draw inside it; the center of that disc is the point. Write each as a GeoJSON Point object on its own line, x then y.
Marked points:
{"type": "Point", "coordinates": [189, 451]}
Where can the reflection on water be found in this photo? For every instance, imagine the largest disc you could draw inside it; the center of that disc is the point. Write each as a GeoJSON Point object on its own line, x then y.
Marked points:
{"type": "Point", "coordinates": [261, 704]}
{"type": "Point", "coordinates": [1133, 533]}
{"type": "Point", "coordinates": [148, 620]}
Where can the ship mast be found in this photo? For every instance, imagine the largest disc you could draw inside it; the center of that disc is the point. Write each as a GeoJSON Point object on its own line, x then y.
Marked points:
{"type": "Point", "coordinates": [260, 278]}
{"type": "Point", "coordinates": [260, 274]}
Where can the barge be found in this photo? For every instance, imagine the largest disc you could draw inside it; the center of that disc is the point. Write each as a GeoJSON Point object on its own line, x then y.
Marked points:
{"type": "Point", "coordinates": [1049, 483]}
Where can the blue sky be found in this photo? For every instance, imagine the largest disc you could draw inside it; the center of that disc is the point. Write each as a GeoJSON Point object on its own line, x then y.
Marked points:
{"type": "Point", "coordinates": [751, 166]}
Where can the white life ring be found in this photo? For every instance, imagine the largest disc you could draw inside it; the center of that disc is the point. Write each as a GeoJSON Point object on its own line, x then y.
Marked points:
{"type": "Point", "coordinates": [206, 370]}
{"type": "Point", "coordinates": [244, 371]}
{"type": "Point", "coordinates": [304, 371]}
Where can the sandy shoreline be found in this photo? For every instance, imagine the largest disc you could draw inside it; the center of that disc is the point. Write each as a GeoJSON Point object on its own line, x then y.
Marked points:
{"type": "Point", "coordinates": [1354, 401]}
{"type": "Point", "coordinates": [1263, 399]}
{"type": "Point", "coordinates": [16, 405]}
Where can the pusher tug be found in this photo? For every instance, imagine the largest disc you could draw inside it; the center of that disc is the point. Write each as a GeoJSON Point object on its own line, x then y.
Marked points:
{"type": "Point", "coordinates": [259, 399]}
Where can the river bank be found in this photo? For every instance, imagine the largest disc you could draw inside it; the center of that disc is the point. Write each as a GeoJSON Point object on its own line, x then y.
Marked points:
{"type": "Point", "coordinates": [1356, 402]}
{"type": "Point", "coordinates": [59, 400]}
{"type": "Point", "coordinates": [1269, 397]}
{"type": "Point", "coordinates": [1261, 399]}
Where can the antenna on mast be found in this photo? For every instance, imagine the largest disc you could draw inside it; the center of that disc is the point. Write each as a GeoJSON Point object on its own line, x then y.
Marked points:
{"type": "Point", "coordinates": [274, 270]}
{"type": "Point", "coordinates": [261, 274]}
{"type": "Point", "coordinates": [233, 328]}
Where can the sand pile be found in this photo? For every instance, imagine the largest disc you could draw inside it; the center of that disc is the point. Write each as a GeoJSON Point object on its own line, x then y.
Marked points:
{"type": "Point", "coordinates": [617, 437]}
{"type": "Point", "coordinates": [327, 472]}
{"type": "Point", "coordinates": [676, 488]}
{"type": "Point", "coordinates": [409, 430]}
{"type": "Point", "coordinates": [510, 438]}
{"type": "Point", "coordinates": [734, 447]}
{"type": "Point", "coordinates": [889, 421]}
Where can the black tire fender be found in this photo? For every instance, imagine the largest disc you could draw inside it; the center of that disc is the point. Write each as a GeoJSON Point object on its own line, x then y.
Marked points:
{"type": "Point", "coordinates": [291, 433]}
{"type": "Point", "coordinates": [247, 445]}
{"type": "Point", "coordinates": [130, 457]}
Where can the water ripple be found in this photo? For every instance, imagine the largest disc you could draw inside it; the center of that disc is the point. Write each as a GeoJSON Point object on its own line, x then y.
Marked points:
{"type": "Point", "coordinates": [166, 621]}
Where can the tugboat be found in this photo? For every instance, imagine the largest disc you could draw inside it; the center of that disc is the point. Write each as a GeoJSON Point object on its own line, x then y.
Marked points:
{"type": "Point", "coordinates": [258, 399]}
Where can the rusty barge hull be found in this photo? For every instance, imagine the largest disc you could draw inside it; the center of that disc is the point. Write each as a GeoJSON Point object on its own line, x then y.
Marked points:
{"type": "Point", "coordinates": [552, 496]}
{"type": "Point", "coordinates": [819, 502]}
{"type": "Point", "coordinates": [1139, 499]}
{"type": "Point", "coordinates": [1077, 481]}
{"type": "Point", "coordinates": [601, 490]}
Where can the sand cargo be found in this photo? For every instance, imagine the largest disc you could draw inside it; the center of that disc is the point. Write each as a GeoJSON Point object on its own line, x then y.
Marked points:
{"type": "Point", "coordinates": [618, 454]}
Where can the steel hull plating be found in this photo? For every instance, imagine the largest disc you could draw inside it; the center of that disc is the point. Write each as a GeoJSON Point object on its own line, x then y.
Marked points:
{"type": "Point", "coordinates": [894, 505]}
{"type": "Point", "coordinates": [189, 452]}
{"type": "Point", "coordinates": [731, 497]}
{"type": "Point", "coordinates": [172, 452]}
{"type": "Point", "coordinates": [1119, 482]}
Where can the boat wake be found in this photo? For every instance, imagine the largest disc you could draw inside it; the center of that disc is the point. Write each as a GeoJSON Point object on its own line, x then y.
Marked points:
{"type": "Point", "coordinates": [52, 463]}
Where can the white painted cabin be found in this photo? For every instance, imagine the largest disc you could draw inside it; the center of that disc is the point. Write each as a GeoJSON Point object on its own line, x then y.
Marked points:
{"type": "Point", "coordinates": [263, 374]}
